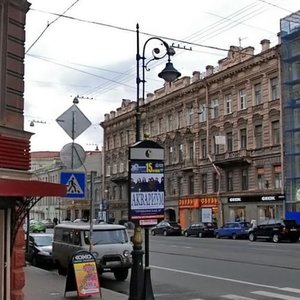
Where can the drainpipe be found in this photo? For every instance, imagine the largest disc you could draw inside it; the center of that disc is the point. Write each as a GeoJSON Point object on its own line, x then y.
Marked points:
{"type": "Point", "coordinates": [220, 207]}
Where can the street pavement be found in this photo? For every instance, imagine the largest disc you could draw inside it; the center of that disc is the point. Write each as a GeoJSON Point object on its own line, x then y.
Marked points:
{"type": "Point", "coordinates": [44, 285]}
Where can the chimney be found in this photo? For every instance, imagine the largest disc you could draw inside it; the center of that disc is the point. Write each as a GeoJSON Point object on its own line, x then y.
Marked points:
{"type": "Point", "coordinates": [265, 45]}
{"type": "Point", "coordinates": [196, 76]}
{"type": "Point", "coordinates": [209, 70]}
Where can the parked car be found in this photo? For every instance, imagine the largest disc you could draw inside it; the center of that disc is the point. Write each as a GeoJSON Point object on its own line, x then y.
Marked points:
{"type": "Point", "coordinates": [36, 226]}
{"type": "Point", "coordinates": [48, 223]}
{"type": "Point", "coordinates": [111, 247]}
{"type": "Point", "coordinates": [233, 230]}
{"type": "Point", "coordinates": [200, 230]}
{"type": "Point", "coordinates": [40, 249]}
{"type": "Point", "coordinates": [276, 230]}
{"type": "Point", "coordinates": [166, 228]}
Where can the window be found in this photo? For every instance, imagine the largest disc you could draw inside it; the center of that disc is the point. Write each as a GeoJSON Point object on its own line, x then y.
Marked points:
{"type": "Point", "coordinates": [258, 136]}
{"type": "Point", "coordinates": [169, 186]}
{"type": "Point", "coordinates": [242, 99]}
{"type": "Point", "coordinates": [180, 185]}
{"type": "Point", "coordinates": [169, 123]}
{"type": "Point", "coordinates": [228, 104]}
{"type": "Point", "coordinates": [170, 154]}
{"type": "Point", "coordinates": [260, 179]}
{"type": "Point", "coordinates": [243, 138]}
{"type": "Point", "coordinates": [179, 118]}
{"type": "Point", "coordinates": [191, 185]}
{"type": "Point", "coordinates": [229, 141]}
{"type": "Point", "coordinates": [277, 177]}
{"type": "Point", "coordinates": [189, 116]}
{"type": "Point", "coordinates": [191, 151]}
{"type": "Point", "coordinates": [215, 182]}
{"type": "Point", "coordinates": [274, 88]}
{"type": "Point", "coordinates": [122, 139]}
{"type": "Point", "coordinates": [275, 133]}
{"type": "Point", "coordinates": [216, 145]}
{"type": "Point", "coordinates": [257, 94]}
{"type": "Point", "coordinates": [160, 125]}
{"type": "Point", "coordinates": [229, 180]}
{"type": "Point", "coordinates": [244, 179]}
{"type": "Point", "coordinates": [152, 128]}
{"type": "Point", "coordinates": [215, 108]}
{"type": "Point", "coordinates": [203, 148]}
{"type": "Point", "coordinates": [202, 113]}
{"type": "Point", "coordinates": [180, 153]}
{"type": "Point", "coordinates": [204, 183]}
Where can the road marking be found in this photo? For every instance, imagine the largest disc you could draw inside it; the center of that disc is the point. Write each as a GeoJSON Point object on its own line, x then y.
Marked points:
{"type": "Point", "coordinates": [277, 296]}
{"type": "Point", "coordinates": [236, 297]}
{"type": "Point", "coordinates": [292, 290]}
{"type": "Point", "coordinates": [217, 277]}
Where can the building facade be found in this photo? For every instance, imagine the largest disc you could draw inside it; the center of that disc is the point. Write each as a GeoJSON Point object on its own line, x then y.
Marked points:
{"type": "Point", "coordinates": [221, 132]}
{"type": "Point", "coordinates": [46, 166]}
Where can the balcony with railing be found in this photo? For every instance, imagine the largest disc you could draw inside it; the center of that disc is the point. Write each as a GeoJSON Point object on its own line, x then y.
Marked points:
{"type": "Point", "coordinates": [232, 159]}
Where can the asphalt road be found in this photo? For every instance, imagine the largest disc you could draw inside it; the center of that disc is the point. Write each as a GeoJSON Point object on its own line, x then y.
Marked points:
{"type": "Point", "coordinates": [208, 268]}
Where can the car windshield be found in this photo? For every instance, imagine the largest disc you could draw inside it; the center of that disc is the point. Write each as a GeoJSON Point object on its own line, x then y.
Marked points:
{"type": "Point", "coordinates": [100, 237]}
{"type": "Point", "coordinates": [173, 224]}
{"type": "Point", "coordinates": [43, 240]}
{"type": "Point", "coordinates": [245, 224]}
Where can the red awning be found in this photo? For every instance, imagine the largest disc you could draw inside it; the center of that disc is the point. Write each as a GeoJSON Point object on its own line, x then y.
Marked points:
{"type": "Point", "coordinates": [30, 188]}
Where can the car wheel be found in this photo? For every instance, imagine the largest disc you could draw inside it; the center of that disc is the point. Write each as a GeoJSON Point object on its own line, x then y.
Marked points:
{"type": "Point", "coordinates": [186, 234]}
{"type": "Point", "coordinates": [217, 236]}
{"type": "Point", "coordinates": [234, 236]}
{"type": "Point", "coordinates": [152, 232]}
{"type": "Point", "coordinates": [275, 238]}
{"type": "Point", "coordinates": [165, 233]}
{"type": "Point", "coordinates": [121, 274]}
{"type": "Point", "coordinates": [200, 234]}
{"type": "Point", "coordinates": [34, 261]}
{"type": "Point", "coordinates": [294, 240]}
{"type": "Point", "coordinates": [61, 270]}
{"type": "Point", "coordinates": [251, 237]}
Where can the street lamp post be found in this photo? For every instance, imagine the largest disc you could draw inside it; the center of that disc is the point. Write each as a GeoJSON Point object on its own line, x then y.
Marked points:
{"type": "Point", "coordinates": [140, 281]}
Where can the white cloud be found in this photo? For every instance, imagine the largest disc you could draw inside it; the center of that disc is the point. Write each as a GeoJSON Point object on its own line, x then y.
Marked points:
{"type": "Point", "coordinates": [97, 61]}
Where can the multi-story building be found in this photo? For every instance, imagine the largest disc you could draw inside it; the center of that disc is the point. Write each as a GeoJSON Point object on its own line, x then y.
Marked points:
{"type": "Point", "coordinates": [46, 166]}
{"type": "Point", "coordinates": [221, 132]}
{"type": "Point", "coordinates": [290, 66]}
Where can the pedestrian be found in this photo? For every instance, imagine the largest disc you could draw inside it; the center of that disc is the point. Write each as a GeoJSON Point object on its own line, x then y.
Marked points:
{"type": "Point", "coordinates": [55, 221]}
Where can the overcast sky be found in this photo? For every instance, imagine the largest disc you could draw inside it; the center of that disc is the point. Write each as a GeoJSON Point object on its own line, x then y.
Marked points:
{"type": "Point", "coordinates": [91, 50]}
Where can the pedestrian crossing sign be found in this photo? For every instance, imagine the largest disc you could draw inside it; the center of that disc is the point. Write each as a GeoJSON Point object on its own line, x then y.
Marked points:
{"type": "Point", "coordinates": [75, 183]}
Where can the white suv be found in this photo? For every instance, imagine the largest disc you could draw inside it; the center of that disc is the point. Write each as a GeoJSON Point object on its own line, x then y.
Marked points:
{"type": "Point", "coordinates": [111, 247]}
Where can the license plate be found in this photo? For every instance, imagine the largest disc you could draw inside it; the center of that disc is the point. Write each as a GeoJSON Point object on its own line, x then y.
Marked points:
{"type": "Point", "coordinates": [112, 263]}
{"type": "Point", "coordinates": [293, 229]}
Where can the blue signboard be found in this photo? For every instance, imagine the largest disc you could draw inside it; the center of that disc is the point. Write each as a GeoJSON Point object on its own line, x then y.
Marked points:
{"type": "Point", "coordinates": [75, 183]}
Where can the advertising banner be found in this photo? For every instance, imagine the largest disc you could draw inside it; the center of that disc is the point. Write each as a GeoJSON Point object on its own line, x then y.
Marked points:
{"type": "Point", "coordinates": [147, 199]}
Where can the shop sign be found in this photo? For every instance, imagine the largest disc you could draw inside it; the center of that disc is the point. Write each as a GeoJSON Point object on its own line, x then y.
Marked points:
{"type": "Point", "coordinates": [264, 198]}
{"type": "Point", "coordinates": [208, 201]}
{"type": "Point", "coordinates": [189, 203]}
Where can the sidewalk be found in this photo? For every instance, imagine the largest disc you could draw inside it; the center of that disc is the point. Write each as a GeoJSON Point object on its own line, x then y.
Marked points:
{"type": "Point", "coordinates": [44, 285]}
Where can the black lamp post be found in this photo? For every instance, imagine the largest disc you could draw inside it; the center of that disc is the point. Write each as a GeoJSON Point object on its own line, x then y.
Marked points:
{"type": "Point", "coordinates": [140, 281]}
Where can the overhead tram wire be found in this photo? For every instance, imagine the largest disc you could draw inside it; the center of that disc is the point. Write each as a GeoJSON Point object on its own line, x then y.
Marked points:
{"type": "Point", "coordinates": [48, 25]}
{"type": "Point", "coordinates": [113, 82]}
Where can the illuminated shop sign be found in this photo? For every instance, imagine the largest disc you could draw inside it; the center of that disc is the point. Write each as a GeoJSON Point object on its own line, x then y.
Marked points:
{"type": "Point", "coordinates": [264, 198]}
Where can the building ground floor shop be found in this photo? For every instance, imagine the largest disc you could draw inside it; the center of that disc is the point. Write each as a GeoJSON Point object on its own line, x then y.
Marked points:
{"type": "Point", "coordinates": [256, 207]}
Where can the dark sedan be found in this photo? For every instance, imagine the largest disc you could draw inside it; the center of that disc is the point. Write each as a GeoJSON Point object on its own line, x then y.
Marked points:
{"type": "Point", "coordinates": [200, 230]}
{"type": "Point", "coordinates": [40, 249]}
{"type": "Point", "coordinates": [166, 228]}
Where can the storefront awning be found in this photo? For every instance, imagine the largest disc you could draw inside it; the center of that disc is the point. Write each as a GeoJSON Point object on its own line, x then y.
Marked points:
{"type": "Point", "coordinates": [30, 188]}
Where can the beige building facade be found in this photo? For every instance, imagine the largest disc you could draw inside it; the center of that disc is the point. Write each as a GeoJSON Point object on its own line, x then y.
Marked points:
{"type": "Point", "coordinates": [221, 132]}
